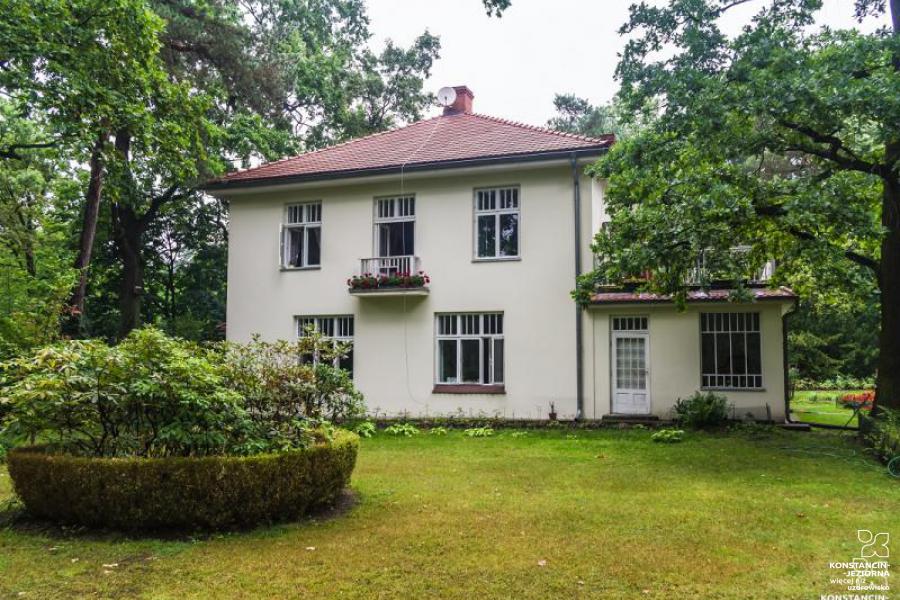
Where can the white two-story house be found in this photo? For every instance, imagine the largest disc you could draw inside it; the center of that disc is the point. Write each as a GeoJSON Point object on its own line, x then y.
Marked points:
{"type": "Point", "coordinates": [500, 218]}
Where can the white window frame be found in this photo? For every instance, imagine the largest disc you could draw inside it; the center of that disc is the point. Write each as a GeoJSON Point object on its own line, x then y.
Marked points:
{"type": "Point", "coordinates": [470, 326]}
{"type": "Point", "coordinates": [392, 209]}
{"type": "Point", "coordinates": [303, 216]}
{"type": "Point", "coordinates": [502, 206]}
{"type": "Point", "coordinates": [745, 323]}
{"type": "Point", "coordinates": [339, 328]}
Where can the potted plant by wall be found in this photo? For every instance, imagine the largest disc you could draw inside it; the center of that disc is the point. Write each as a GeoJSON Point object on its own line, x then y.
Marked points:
{"type": "Point", "coordinates": [552, 411]}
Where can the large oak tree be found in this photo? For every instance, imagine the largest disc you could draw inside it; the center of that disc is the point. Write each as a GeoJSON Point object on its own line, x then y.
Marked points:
{"type": "Point", "coordinates": [785, 137]}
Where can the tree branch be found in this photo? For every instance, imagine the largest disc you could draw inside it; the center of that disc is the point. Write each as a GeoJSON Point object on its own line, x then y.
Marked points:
{"type": "Point", "coordinates": [835, 146]}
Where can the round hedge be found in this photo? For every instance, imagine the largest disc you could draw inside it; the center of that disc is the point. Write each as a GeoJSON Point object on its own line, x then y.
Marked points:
{"type": "Point", "coordinates": [214, 492]}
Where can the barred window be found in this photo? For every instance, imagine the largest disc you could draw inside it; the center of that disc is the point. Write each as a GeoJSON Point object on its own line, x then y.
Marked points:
{"type": "Point", "coordinates": [301, 237]}
{"type": "Point", "coordinates": [338, 328]}
{"type": "Point", "coordinates": [470, 348]}
{"type": "Point", "coordinates": [731, 355]}
{"type": "Point", "coordinates": [497, 222]}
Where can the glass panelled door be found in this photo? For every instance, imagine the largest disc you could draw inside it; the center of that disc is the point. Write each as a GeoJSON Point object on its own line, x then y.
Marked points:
{"type": "Point", "coordinates": [630, 366]}
{"type": "Point", "coordinates": [395, 234]}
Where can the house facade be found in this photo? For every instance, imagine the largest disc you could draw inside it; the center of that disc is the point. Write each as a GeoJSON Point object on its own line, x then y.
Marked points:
{"type": "Point", "coordinates": [499, 216]}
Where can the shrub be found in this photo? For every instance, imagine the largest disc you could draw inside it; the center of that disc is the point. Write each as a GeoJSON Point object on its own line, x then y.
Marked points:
{"type": "Point", "coordinates": [438, 431]}
{"type": "Point", "coordinates": [155, 396]}
{"type": "Point", "coordinates": [149, 396]}
{"type": "Point", "coordinates": [702, 410]}
{"type": "Point", "coordinates": [365, 429]}
{"type": "Point", "coordinates": [479, 432]}
{"type": "Point", "coordinates": [212, 492]}
{"type": "Point", "coordinates": [881, 433]}
{"type": "Point", "coordinates": [402, 430]}
{"type": "Point", "coordinates": [283, 380]}
{"type": "Point", "coordinates": [668, 436]}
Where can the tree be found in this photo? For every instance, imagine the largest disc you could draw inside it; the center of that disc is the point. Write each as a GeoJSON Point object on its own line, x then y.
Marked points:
{"type": "Point", "coordinates": [781, 137]}
{"type": "Point", "coordinates": [88, 67]}
{"type": "Point", "coordinates": [577, 115]}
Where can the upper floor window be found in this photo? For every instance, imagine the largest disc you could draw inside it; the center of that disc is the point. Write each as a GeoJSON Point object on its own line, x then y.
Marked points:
{"type": "Point", "coordinates": [497, 222]}
{"type": "Point", "coordinates": [395, 226]}
{"type": "Point", "coordinates": [470, 348]}
{"type": "Point", "coordinates": [338, 328]}
{"type": "Point", "coordinates": [730, 350]}
{"type": "Point", "coordinates": [301, 238]}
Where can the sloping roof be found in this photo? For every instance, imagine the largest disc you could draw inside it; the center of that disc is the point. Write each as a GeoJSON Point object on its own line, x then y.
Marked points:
{"type": "Point", "coordinates": [446, 139]}
{"type": "Point", "coordinates": [719, 295]}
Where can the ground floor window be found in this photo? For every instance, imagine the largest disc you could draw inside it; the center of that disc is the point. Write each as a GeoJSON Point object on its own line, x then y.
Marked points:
{"type": "Point", "coordinates": [338, 328]}
{"type": "Point", "coordinates": [731, 350]}
{"type": "Point", "coordinates": [469, 348]}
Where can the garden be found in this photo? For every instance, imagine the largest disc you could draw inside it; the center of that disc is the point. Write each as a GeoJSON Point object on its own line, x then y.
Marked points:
{"type": "Point", "coordinates": [750, 513]}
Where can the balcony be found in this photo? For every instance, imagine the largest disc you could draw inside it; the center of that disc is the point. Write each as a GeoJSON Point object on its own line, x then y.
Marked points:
{"type": "Point", "coordinates": [383, 276]}
{"type": "Point", "coordinates": [710, 268]}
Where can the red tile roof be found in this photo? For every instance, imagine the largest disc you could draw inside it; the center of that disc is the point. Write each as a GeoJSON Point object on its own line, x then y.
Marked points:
{"type": "Point", "coordinates": [781, 293]}
{"type": "Point", "coordinates": [445, 139]}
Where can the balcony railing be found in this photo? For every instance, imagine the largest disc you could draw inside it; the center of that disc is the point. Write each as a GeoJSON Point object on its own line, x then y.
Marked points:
{"type": "Point", "coordinates": [390, 265]}
{"type": "Point", "coordinates": [705, 271]}
{"type": "Point", "coordinates": [389, 276]}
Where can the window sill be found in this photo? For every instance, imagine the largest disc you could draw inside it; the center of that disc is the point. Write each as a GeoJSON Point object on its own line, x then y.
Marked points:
{"type": "Point", "coordinates": [490, 259]}
{"type": "Point", "coordinates": [468, 388]}
{"type": "Point", "coordinates": [731, 389]}
{"type": "Point", "coordinates": [311, 268]}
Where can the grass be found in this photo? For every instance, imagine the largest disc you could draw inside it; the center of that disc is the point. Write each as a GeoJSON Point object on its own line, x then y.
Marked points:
{"type": "Point", "coordinates": [813, 406]}
{"type": "Point", "coordinates": [602, 514]}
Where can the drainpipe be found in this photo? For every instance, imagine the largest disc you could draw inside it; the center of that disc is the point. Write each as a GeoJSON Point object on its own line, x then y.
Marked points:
{"type": "Point", "coordinates": [579, 334]}
{"type": "Point", "coordinates": [786, 367]}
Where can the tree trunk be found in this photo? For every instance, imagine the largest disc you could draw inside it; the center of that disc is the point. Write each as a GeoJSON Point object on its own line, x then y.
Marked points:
{"type": "Point", "coordinates": [888, 385]}
{"type": "Point", "coordinates": [88, 232]}
{"type": "Point", "coordinates": [128, 233]}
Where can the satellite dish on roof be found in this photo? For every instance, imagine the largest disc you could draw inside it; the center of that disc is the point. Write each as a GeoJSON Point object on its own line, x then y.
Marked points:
{"type": "Point", "coordinates": [446, 96]}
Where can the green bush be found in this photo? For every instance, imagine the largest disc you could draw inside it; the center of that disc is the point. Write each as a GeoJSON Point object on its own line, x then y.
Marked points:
{"type": "Point", "coordinates": [702, 410]}
{"type": "Point", "coordinates": [479, 432]}
{"type": "Point", "coordinates": [881, 433]}
{"type": "Point", "coordinates": [365, 429]}
{"type": "Point", "coordinates": [402, 430]}
{"type": "Point", "coordinates": [155, 396]}
{"type": "Point", "coordinates": [207, 493]}
{"type": "Point", "coordinates": [668, 436]}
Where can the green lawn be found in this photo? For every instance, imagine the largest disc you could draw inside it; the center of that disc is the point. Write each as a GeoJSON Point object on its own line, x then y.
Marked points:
{"type": "Point", "coordinates": [606, 514]}
{"type": "Point", "coordinates": [813, 406]}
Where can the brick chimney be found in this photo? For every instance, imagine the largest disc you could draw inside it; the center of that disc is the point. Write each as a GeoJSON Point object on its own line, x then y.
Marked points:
{"type": "Point", "coordinates": [463, 102]}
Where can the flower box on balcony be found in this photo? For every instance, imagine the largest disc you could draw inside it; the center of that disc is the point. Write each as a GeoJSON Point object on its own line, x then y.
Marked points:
{"type": "Point", "coordinates": [389, 284]}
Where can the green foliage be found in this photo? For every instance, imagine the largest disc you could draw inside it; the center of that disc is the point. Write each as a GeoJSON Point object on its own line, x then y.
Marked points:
{"type": "Point", "coordinates": [154, 396]}
{"type": "Point", "coordinates": [702, 409]}
{"type": "Point", "coordinates": [776, 137]}
{"type": "Point", "coordinates": [577, 115]}
{"type": "Point", "coordinates": [402, 430]}
{"type": "Point", "coordinates": [365, 429]}
{"type": "Point", "coordinates": [438, 431]}
{"type": "Point", "coordinates": [668, 436]}
{"type": "Point", "coordinates": [834, 383]}
{"type": "Point", "coordinates": [284, 380]}
{"type": "Point", "coordinates": [212, 492]}
{"type": "Point", "coordinates": [479, 432]}
{"type": "Point", "coordinates": [834, 337]}
{"type": "Point", "coordinates": [518, 434]}
{"type": "Point", "coordinates": [882, 433]}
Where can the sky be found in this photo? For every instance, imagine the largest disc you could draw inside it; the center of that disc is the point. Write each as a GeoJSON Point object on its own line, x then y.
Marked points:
{"type": "Point", "coordinates": [514, 65]}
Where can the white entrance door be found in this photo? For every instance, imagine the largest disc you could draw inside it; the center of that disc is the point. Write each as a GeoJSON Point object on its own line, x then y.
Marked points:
{"type": "Point", "coordinates": [630, 380]}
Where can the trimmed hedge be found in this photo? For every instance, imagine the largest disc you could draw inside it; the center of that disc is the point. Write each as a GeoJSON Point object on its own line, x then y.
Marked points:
{"type": "Point", "coordinates": [212, 492]}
